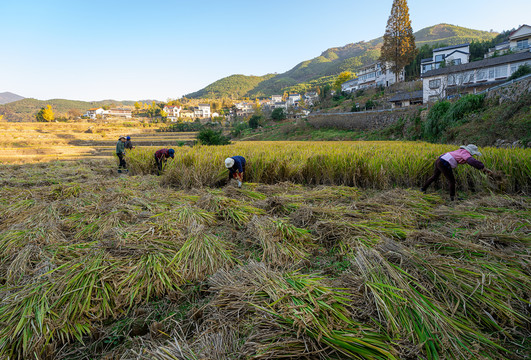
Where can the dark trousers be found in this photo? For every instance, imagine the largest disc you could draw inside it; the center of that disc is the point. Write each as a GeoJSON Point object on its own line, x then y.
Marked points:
{"type": "Point", "coordinates": [442, 166]}
{"type": "Point", "coordinates": [122, 164]}
{"type": "Point", "coordinates": [159, 165]}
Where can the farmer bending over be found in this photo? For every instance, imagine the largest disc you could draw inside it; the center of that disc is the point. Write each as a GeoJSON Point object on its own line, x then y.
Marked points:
{"type": "Point", "coordinates": [120, 152]}
{"type": "Point", "coordinates": [236, 166]}
{"type": "Point", "coordinates": [129, 144]}
{"type": "Point", "coordinates": [445, 163]}
{"type": "Point", "coordinates": [161, 156]}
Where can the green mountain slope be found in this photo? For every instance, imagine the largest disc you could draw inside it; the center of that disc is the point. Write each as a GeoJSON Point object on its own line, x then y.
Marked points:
{"type": "Point", "coordinates": [234, 86]}
{"type": "Point", "coordinates": [25, 109]}
{"type": "Point", "coordinates": [331, 62]}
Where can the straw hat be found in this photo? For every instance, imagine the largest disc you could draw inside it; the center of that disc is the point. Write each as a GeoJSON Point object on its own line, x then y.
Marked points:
{"type": "Point", "coordinates": [472, 149]}
{"type": "Point", "coordinates": [229, 162]}
{"type": "Point", "coordinates": [121, 137]}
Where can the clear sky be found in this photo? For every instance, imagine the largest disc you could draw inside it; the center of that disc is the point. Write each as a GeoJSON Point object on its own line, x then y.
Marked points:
{"type": "Point", "coordinates": [160, 49]}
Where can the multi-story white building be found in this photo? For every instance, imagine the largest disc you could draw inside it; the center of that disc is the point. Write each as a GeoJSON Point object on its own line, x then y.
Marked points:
{"type": "Point", "coordinates": [293, 100]}
{"type": "Point", "coordinates": [471, 77]}
{"type": "Point", "coordinates": [350, 86]}
{"type": "Point", "coordinates": [173, 111]}
{"type": "Point", "coordinates": [520, 39]}
{"type": "Point", "coordinates": [450, 55]}
{"type": "Point", "coordinates": [276, 98]}
{"type": "Point", "coordinates": [202, 111]}
{"type": "Point", "coordinates": [377, 75]}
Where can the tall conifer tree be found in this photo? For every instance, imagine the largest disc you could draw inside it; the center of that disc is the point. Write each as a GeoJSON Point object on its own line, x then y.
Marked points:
{"type": "Point", "coordinates": [399, 43]}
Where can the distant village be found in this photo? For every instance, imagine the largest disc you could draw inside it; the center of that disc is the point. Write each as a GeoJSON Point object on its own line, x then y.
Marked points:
{"type": "Point", "coordinates": [448, 73]}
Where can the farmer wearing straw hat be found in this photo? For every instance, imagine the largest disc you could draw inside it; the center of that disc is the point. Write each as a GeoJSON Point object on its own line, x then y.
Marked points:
{"type": "Point", "coordinates": [236, 166]}
{"type": "Point", "coordinates": [120, 152]}
{"type": "Point", "coordinates": [445, 163]}
{"type": "Point", "coordinates": [161, 156]}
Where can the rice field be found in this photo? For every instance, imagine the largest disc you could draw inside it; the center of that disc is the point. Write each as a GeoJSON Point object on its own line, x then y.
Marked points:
{"type": "Point", "coordinates": [329, 251]}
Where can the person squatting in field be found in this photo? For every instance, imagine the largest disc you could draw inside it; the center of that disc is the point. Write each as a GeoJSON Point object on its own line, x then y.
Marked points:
{"type": "Point", "coordinates": [161, 156]}
{"type": "Point", "coordinates": [449, 161]}
{"type": "Point", "coordinates": [120, 152]}
{"type": "Point", "coordinates": [236, 166]}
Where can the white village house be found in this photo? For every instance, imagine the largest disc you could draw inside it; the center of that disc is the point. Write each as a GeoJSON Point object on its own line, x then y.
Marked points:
{"type": "Point", "coordinates": [293, 100]}
{"type": "Point", "coordinates": [173, 111]}
{"type": "Point", "coordinates": [202, 111]}
{"type": "Point", "coordinates": [471, 77]}
{"type": "Point", "coordinates": [519, 40]}
{"type": "Point", "coordinates": [450, 55]}
{"type": "Point", "coordinates": [377, 75]}
{"type": "Point", "coordinates": [94, 112]}
{"type": "Point", "coordinates": [350, 86]}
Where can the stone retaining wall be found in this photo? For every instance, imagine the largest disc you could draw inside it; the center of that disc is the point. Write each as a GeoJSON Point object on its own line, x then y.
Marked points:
{"type": "Point", "coordinates": [360, 121]}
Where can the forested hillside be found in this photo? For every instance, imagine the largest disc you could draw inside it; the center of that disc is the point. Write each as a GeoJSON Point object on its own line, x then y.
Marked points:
{"type": "Point", "coordinates": [322, 69]}
{"type": "Point", "coordinates": [25, 110]}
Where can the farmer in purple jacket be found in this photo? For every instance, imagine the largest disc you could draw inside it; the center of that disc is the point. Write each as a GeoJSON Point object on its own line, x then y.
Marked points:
{"type": "Point", "coordinates": [445, 163]}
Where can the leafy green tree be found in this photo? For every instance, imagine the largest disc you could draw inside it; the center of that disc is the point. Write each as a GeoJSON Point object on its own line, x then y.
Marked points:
{"type": "Point", "coordinates": [212, 137]}
{"type": "Point", "coordinates": [255, 121]}
{"type": "Point", "coordinates": [399, 47]}
{"type": "Point", "coordinates": [278, 114]}
{"type": "Point", "coordinates": [45, 114]}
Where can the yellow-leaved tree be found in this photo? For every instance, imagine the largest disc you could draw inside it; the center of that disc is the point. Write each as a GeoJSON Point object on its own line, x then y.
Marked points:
{"type": "Point", "coordinates": [398, 48]}
{"type": "Point", "coordinates": [45, 114]}
{"type": "Point", "coordinates": [342, 78]}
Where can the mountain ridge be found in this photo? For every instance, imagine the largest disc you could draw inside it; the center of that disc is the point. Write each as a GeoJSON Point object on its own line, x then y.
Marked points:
{"type": "Point", "coordinates": [8, 97]}
{"type": "Point", "coordinates": [321, 69]}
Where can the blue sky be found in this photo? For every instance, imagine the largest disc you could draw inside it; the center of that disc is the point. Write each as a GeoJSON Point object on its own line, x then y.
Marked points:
{"type": "Point", "coordinates": [160, 49]}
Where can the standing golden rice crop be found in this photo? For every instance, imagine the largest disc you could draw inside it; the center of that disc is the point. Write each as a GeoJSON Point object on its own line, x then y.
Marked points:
{"type": "Point", "coordinates": [380, 165]}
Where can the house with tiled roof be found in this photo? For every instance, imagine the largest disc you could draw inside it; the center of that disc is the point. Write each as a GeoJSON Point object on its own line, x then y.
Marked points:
{"type": "Point", "coordinates": [469, 78]}
{"type": "Point", "coordinates": [173, 111]}
{"type": "Point", "coordinates": [446, 56]}
{"type": "Point", "coordinates": [94, 112]}
{"type": "Point", "coordinates": [520, 39]}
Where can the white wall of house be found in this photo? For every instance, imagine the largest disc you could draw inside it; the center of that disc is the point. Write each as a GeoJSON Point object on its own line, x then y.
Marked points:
{"type": "Point", "coordinates": [520, 39]}
{"type": "Point", "coordinates": [350, 85]}
{"type": "Point", "coordinates": [435, 87]}
{"type": "Point", "coordinates": [456, 55]}
{"type": "Point", "coordinates": [276, 98]}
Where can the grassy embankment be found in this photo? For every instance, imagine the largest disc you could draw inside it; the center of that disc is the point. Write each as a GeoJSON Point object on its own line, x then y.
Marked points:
{"type": "Point", "coordinates": [96, 265]}
{"type": "Point", "coordinates": [471, 119]}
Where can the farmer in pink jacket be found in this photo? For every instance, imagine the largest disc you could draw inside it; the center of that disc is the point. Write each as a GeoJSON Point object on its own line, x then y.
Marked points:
{"type": "Point", "coordinates": [445, 163]}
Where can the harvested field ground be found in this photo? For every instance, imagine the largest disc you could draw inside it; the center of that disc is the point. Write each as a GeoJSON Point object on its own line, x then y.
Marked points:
{"type": "Point", "coordinates": [44, 142]}
{"type": "Point", "coordinates": [100, 265]}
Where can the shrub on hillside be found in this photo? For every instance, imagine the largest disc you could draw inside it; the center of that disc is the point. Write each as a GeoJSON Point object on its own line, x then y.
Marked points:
{"type": "Point", "coordinates": [278, 114]}
{"type": "Point", "coordinates": [212, 137]}
{"type": "Point", "coordinates": [444, 115]}
{"type": "Point", "coordinates": [255, 121]}
{"type": "Point", "coordinates": [521, 71]}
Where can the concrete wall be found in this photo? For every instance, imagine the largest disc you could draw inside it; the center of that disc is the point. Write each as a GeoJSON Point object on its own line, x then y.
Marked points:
{"type": "Point", "coordinates": [360, 121]}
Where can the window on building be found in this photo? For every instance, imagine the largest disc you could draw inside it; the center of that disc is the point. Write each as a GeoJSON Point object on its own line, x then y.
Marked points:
{"type": "Point", "coordinates": [439, 58]}
{"type": "Point", "coordinates": [514, 67]}
{"type": "Point", "coordinates": [481, 75]}
{"type": "Point", "coordinates": [522, 44]}
{"type": "Point", "coordinates": [427, 68]}
{"type": "Point", "coordinates": [457, 61]}
{"type": "Point", "coordinates": [435, 84]}
{"type": "Point", "coordinates": [468, 77]}
{"type": "Point", "coordinates": [501, 71]}
{"type": "Point", "coordinates": [491, 73]}
{"type": "Point", "coordinates": [451, 80]}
